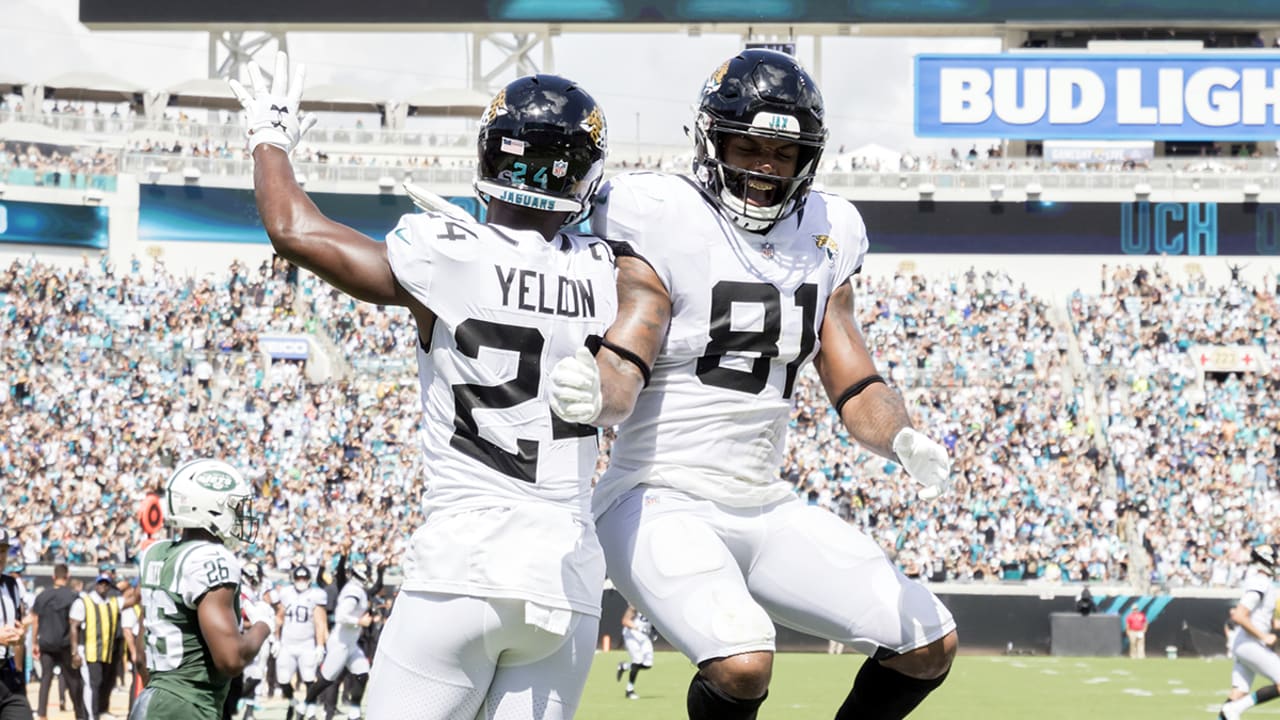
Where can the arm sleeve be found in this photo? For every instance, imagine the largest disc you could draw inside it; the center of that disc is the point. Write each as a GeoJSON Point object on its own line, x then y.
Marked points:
{"type": "Point", "coordinates": [77, 610]}
{"type": "Point", "coordinates": [340, 572]}
{"type": "Point", "coordinates": [851, 243]}
{"type": "Point", "coordinates": [129, 619]}
{"type": "Point", "coordinates": [204, 568]}
{"type": "Point", "coordinates": [1250, 600]}
{"type": "Point", "coordinates": [347, 612]}
{"type": "Point", "coordinates": [418, 250]}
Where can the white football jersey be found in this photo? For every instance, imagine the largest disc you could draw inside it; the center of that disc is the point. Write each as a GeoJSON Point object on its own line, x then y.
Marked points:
{"type": "Point", "coordinates": [1260, 597]}
{"type": "Point", "coordinates": [299, 614]}
{"type": "Point", "coordinates": [746, 310]}
{"type": "Point", "coordinates": [509, 483]}
{"type": "Point", "coordinates": [353, 603]}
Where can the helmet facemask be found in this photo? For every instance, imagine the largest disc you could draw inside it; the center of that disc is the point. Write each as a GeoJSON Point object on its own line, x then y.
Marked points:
{"type": "Point", "coordinates": [766, 95]}
{"type": "Point", "coordinates": [729, 184]}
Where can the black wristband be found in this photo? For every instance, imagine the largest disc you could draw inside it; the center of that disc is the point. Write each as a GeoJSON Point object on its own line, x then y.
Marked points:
{"type": "Point", "coordinates": [854, 390]}
{"type": "Point", "coordinates": [595, 342]}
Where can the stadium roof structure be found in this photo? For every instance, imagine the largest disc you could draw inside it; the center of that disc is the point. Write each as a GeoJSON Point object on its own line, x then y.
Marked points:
{"type": "Point", "coordinates": [211, 93]}
{"type": "Point", "coordinates": [341, 98]}
{"type": "Point", "coordinates": [92, 87]}
{"type": "Point", "coordinates": [449, 101]}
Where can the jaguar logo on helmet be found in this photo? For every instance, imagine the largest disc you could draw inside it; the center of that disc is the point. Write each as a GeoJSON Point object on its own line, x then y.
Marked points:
{"type": "Point", "coordinates": [215, 480]}
{"type": "Point", "coordinates": [717, 77]}
{"type": "Point", "coordinates": [497, 107]}
{"type": "Point", "coordinates": [594, 125]}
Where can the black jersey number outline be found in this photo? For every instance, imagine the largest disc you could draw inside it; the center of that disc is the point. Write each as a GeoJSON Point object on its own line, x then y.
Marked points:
{"type": "Point", "coordinates": [762, 342]}
{"type": "Point", "coordinates": [470, 336]}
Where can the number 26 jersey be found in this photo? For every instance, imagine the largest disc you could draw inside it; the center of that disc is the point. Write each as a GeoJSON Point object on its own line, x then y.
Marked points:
{"type": "Point", "coordinates": [509, 482]}
{"type": "Point", "coordinates": [746, 311]}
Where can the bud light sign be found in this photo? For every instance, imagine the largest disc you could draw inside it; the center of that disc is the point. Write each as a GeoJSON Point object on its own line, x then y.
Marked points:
{"type": "Point", "coordinates": [1092, 96]}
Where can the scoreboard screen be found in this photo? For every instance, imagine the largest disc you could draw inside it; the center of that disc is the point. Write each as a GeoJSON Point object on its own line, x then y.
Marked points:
{"type": "Point", "coordinates": [104, 13]}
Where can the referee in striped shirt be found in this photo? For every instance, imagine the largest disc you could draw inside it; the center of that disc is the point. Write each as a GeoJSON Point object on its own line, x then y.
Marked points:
{"type": "Point", "coordinates": [13, 688]}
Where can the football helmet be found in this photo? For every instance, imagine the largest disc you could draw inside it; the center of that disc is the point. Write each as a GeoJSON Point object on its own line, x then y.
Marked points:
{"type": "Point", "coordinates": [211, 495]}
{"type": "Point", "coordinates": [542, 145]}
{"type": "Point", "coordinates": [360, 571]}
{"type": "Point", "coordinates": [251, 573]}
{"type": "Point", "coordinates": [1264, 555]}
{"type": "Point", "coordinates": [301, 577]}
{"type": "Point", "coordinates": [764, 94]}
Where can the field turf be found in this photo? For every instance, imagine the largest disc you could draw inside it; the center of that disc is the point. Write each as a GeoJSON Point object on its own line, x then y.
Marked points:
{"type": "Point", "coordinates": [980, 688]}
{"type": "Point", "coordinates": [812, 686]}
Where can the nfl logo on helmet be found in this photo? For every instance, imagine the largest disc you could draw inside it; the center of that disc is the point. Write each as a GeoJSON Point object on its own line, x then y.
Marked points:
{"type": "Point", "coordinates": [559, 168]}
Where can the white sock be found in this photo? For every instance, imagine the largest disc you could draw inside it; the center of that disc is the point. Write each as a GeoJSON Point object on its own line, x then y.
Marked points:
{"type": "Point", "coordinates": [631, 687]}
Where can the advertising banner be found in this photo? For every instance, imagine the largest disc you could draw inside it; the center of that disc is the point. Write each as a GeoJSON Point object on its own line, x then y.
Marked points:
{"type": "Point", "coordinates": [169, 213]}
{"type": "Point", "coordinates": [1205, 229]}
{"type": "Point", "coordinates": [285, 347]}
{"type": "Point", "coordinates": [1205, 96]}
{"type": "Point", "coordinates": [40, 223]}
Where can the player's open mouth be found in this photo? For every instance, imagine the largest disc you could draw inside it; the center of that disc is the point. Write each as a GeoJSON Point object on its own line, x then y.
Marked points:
{"type": "Point", "coordinates": [760, 192]}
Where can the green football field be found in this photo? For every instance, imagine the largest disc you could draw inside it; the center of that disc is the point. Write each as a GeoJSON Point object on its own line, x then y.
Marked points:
{"type": "Point", "coordinates": [812, 686]}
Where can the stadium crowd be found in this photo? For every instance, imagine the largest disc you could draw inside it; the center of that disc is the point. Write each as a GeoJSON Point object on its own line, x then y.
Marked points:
{"type": "Point", "coordinates": [1196, 463]}
{"type": "Point", "coordinates": [109, 376]}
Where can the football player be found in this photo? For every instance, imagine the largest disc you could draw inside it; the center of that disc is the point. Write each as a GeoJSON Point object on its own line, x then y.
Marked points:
{"type": "Point", "coordinates": [741, 275]}
{"type": "Point", "coordinates": [500, 603]}
{"type": "Point", "coordinates": [637, 637]}
{"type": "Point", "coordinates": [252, 591]}
{"type": "Point", "coordinates": [304, 629]}
{"type": "Point", "coordinates": [350, 616]}
{"type": "Point", "coordinates": [1252, 639]}
{"type": "Point", "coordinates": [190, 591]}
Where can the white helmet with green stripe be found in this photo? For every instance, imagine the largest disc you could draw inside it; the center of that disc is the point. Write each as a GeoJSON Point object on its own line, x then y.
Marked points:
{"type": "Point", "coordinates": [211, 495]}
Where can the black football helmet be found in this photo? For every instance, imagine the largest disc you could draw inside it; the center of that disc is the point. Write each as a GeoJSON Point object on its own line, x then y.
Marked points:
{"type": "Point", "coordinates": [360, 571]}
{"type": "Point", "coordinates": [542, 145]}
{"type": "Point", "coordinates": [765, 94]}
{"type": "Point", "coordinates": [1264, 555]}
{"type": "Point", "coordinates": [251, 572]}
{"type": "Point", "coordinates": [301, 572]}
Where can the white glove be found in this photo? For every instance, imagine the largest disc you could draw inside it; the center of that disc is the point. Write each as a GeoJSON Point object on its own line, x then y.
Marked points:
{"type": "Point", "coordinates": [319, 656]}
{"type": "Point", "coordinates": [273, 113]}
{"type": "Point", "coordinates": [260, 612]}
{"type": "Point", "coordinates": [925, 460]}
{"type": "Point", "coordinates": [575, 388]}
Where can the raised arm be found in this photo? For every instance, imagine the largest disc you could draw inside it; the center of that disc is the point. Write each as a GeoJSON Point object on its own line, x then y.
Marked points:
{"type": "Point", "coordinates": [873, 412]}
{"type": "Point", "coordinates": [299, 232]}
{"type": "Point", "coordinates": [604, 392]}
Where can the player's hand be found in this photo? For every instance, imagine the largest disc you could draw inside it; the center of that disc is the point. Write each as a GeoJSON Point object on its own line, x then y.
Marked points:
{"type": "Point", "coordinates": [1269, 639]}
{"type": "Point", "coordinates": [76, 660]}
{"type": "Point", "coordinates": [575, 388]}
{"type": "Point", "coordinates": [925, 460]}
{"type": "Point", "coordinates": [10, 634]}
{"type": "Point", "coordinates": [319, 654]}
{"type": "Point", "coordinates": [260, 612]}
{"type": "Point", "coordinates": [273, 115]}
{"type": "Point", "coordinates": [273, 646]}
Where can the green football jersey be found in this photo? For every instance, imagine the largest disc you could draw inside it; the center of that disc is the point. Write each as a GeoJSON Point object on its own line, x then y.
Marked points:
{"type": "Point", "coordinates": [174, 576]}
